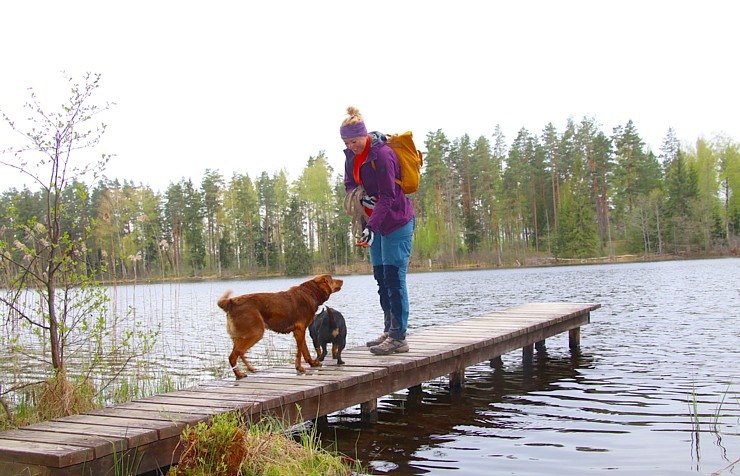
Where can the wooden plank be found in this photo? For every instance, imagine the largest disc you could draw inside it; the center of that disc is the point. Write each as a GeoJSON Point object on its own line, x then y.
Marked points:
{"type": "Point", "coordinates": [360, 375]}
{"type": "Point", "coordinates": [150, 414]}
{"type": "Point", "coordinates": [164, 428]}
{"type": "Point", "coordinates": [198, 400]}
{"type": "Point", "coordinates": [198, 395]}
{"type": "Point", "coordinates": [101, 446]}
{"type": "Point", "coordinates": [482, 330]}
{"type": "Point", "coordinates": [394, 362]}
{"type": "Point", "coordinates": [173, 411]}
{"type": "Point", "coordinates": [309, 382]}
{"type": "Point", "coordinates": [132, 436]}
{"type": "Point", "coordinates": [334, 374]}
{"type": "Point", "coordinates": [43, 454]}
{"type": "Point", "coordinates": [290, 393]}
{"type": "Point", "coordinates": [452, 339]}
{"type": "Point", "coordinates": [254, 394]}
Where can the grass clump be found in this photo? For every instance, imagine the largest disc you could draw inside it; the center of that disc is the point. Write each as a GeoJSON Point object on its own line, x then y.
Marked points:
{"type": "Point", "coordinates": [228, 445]}
{"type": "Point", "coordinates": [60, 397]}
{"type": "Point", "coordinates": [47, 400]}
{"type": "Point", "coordinates": [213, 448]}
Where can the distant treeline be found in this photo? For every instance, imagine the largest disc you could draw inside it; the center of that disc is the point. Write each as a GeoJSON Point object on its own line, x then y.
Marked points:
{"type": "Point", "coordinates": [578, 193]}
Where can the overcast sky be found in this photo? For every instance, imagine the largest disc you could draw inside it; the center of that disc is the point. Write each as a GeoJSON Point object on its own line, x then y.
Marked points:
{"type": "Point", "coordinates": [247, 87]}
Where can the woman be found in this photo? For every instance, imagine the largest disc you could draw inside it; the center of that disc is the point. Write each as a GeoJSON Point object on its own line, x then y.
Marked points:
{"type": "Point", "coordinates": [370, 172]}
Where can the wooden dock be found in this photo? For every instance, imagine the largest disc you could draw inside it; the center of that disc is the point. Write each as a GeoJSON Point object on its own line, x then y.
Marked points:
{"type": "Point", "coordinates": [148, 430]}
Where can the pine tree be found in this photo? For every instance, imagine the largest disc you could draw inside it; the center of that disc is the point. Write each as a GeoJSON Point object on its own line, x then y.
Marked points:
{"type": "Point", "coordinates": [681, 190]}
{"type": "Point", "coordinates": [577, 236]}
{"type": "Point", "coordinates": [297, 255]}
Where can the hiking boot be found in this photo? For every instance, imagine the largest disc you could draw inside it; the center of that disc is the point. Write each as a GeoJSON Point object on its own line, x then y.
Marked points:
{"type": "Point", "coordinates": [390, 346]}
{"type": "Point", "coordinates": [378, 340]}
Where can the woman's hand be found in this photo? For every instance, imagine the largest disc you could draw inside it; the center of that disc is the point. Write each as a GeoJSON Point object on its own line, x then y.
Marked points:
{"type": "Point", "coordinates": [367, 237]}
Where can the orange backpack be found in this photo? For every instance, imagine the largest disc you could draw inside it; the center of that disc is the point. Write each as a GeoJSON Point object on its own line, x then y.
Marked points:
{"type": "Point", "coordinates": [409, 158]}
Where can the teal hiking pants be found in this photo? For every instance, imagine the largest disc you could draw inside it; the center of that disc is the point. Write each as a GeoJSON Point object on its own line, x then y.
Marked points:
{"type": "Point", "coordinates": [389, 256]}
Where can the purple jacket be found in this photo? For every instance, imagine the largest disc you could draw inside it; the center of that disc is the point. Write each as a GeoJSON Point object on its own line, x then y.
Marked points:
{"type": "Point", "coordinates": [393, 209]}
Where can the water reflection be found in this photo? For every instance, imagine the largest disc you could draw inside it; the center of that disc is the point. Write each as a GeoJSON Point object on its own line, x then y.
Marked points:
{"type": "Point", "coordinates": [433, 428]}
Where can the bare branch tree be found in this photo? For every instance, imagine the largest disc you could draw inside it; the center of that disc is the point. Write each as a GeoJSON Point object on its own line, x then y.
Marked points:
{"type": "Point", "coordinates": [44, 256]}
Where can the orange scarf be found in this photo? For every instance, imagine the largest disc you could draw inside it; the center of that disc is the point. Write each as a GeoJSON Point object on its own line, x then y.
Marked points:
{"type": "Point", "coordinates": [359, 160]}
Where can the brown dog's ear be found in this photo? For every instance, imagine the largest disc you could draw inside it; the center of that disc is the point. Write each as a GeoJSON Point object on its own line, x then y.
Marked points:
{"type": "Point", "coordinates": [322, 281]}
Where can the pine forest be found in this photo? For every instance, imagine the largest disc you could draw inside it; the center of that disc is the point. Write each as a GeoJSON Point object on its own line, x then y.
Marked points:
{"type": "Point", "coordinates": [575, 194]}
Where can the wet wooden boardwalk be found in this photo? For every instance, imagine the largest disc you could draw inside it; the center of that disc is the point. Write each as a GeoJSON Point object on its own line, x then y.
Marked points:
{"type": "Point", "coordinates": [148, 430]}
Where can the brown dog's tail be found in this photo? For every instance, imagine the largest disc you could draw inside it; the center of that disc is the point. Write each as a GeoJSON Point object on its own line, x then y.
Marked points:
{"type": "Point", "coordinates": [224, 302]}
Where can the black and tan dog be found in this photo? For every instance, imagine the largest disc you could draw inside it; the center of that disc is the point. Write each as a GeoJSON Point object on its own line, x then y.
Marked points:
{"type": "Point", "coordinates": [329, 327]}
{"type": "Point", "coordinates": [248, 315]}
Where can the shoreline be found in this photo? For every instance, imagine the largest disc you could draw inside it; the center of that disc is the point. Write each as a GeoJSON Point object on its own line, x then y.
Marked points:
{"type": "Point", "coordinates": [416, 267]}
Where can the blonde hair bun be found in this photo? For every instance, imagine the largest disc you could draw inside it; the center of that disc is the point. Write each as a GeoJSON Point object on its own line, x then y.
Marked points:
{"type": "Point", "coordinates": [353, 116]}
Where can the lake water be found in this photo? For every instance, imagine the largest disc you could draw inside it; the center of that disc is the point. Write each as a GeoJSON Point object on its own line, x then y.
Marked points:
{"type": "Point", "coordinates": [654, 389]}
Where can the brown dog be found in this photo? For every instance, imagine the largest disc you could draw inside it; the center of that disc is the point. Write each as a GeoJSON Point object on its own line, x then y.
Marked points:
{"type": "Point", "coordinates": [248, 315]}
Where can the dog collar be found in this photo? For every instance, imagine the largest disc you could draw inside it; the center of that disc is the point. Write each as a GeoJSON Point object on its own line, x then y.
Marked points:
{"type": "Point", "coordinates": [316, 295]}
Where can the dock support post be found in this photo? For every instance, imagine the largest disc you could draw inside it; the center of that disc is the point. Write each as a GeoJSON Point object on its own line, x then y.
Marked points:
{"type": "Point", "coordinates": [527, 355]}
{"type": "Point", "coordinates": [574, 338]}
{"type": "Point", "coordinates": [539, 345]}
{"type": "Point", "coordinates": [369, 411]}
{"type": "Point", "coordinates": [415, 395]}
{"type": "Point", "coordinates": [457, 379]}
{"type": "Point", "coordinates": [496, 362]}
